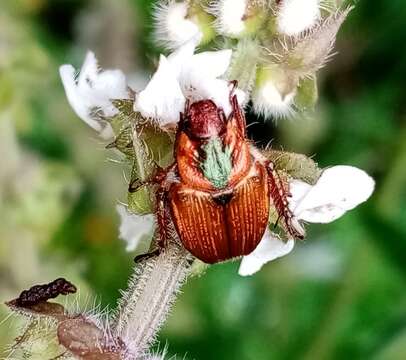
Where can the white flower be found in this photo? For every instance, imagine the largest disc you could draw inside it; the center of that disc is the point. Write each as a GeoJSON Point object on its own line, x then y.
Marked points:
{"type": "Point", "coordinates": [154, 102]}
{"type": "Point", "coordinates": [136, 230]}
{"type": "Point", "coordinates": [339, 189]}
{"type": "Point", "coordinates": [172, 24]}
{"type": "Point", "coordinates": [295, 16]}
{"type": "Point", "coordinates": [91, 92]}
{"type": "Point", "coordinates": [230, 15]}
{"type": "Point", "coordinates": [269, 101]}
{"type": "Point", "coordinates": [185, 75]}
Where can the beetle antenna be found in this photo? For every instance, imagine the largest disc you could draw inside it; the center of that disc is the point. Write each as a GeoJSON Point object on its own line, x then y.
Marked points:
{"type": "Point", "coordinates": [134, 185]}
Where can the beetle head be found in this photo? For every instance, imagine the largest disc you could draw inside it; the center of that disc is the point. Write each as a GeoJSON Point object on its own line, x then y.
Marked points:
{"type": "Point", "coordinates": [204, 120]}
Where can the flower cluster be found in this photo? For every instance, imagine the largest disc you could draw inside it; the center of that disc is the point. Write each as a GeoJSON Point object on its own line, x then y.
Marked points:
{"type": "Point", "coordinates": [280, 44]}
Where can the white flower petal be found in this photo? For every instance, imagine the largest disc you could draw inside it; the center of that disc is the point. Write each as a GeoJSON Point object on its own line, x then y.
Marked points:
{"type": "Point", "coordinates": [219, 91]}
{"type": "Point", "coordinates": [111, 84]}
{"type": "Point", "coordinates": [298, 190]}
{"type": "Point", "coordinates": [136, 230]}
{"type": "Point", "coordinates": [270, 248]}
{"type": "Point", "coordinates": [197, 74]}
{"type": "Point", "coordinates": [214, 89]}
{"type": "Point", "coordinates": [322, 214]}
{"type": "Point", "coordinates": [295, 16]}
{"type": "Point", "coordinates": [339, 189]}
{"type": "Point", "coordinates": [173, 27]}
{"type": "Point", "coordinates": [185, 75]}
{"type": "Point", "coordinates": [93, 91]}
{"type": "Point", "coordinates": [67, 73]}
{"type": "Point", "coordinates": [89, 70]}
{"type": "Point", "coordinates": [230, 14]}
{"type": "Point", "coordinates": [162, 99]}
{"type": "Point", "coordinates": [182, 56]}
{"type": "Point", "coordinates": [211, 64]}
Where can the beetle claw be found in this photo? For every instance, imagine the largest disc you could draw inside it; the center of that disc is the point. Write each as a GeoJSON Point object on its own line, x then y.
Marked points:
{"type": "Point", "coordinates": [148, 255]}
{"type": "Point", "coordinates": [135, 185]}
{"type": "Point", "coordinates": [234, 84]}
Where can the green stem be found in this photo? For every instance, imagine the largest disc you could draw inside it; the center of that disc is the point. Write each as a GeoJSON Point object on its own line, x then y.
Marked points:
{"type": "Point", "coordinates": [151, 292]}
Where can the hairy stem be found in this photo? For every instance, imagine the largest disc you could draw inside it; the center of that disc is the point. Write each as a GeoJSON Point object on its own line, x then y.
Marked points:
{"type": "Point", "coordinates": [151, 292]}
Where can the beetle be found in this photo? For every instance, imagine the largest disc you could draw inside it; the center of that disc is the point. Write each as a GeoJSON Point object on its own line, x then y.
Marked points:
{"type": "Point", "coordinates": [220, 188]}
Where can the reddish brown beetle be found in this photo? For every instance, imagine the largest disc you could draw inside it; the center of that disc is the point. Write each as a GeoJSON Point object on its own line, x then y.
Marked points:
{"type": "Point", "coordinates": [220, 188]}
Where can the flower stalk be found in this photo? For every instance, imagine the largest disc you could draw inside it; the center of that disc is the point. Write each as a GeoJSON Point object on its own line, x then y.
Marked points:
{"type": "Point", "coordinates": [146, 303]}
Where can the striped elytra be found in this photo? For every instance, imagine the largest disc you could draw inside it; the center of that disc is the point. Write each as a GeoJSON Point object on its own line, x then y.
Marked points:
{"type": "Point", "coordinates": [214, 231]}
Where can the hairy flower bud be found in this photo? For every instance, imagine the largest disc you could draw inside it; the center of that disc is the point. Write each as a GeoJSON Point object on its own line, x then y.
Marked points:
{"type": "Point", "coordinates": [274, 92]}
{"type": "Point", "coordinates": [230, 16]}
{"type": "Point", "coordinates": [296, 16]}
{"type": "Point", "coordinates": [178, 22]}
{"type": "Point", "coordinates": [236, 18]}
{"type": "Point", "coordinates": [307, 53]}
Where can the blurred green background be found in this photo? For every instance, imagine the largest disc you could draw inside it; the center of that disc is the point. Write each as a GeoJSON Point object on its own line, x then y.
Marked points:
{"type": "Point", "coordinates": [340, 294]}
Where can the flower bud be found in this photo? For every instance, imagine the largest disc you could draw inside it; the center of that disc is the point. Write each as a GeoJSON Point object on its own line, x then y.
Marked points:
{"type": "Point", "coordinates": [274, 92]}
{"type": "Point", "coordinates": [178, 22]}
{"type": "Point", "coordinates": [306, 54]}
{"type": "Point", "coordinates": [236, 18]}
{"type": "Point", "coordinates": [296, 16]}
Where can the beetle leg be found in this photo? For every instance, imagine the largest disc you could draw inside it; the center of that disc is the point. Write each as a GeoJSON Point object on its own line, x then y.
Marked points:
{"type": "Point", "coordinates": [147, 256]}
{"type": "Point", "coordinates": [162, 218]}
{"type": "Point", "coordinates": [279, 195]}
{"type": "Point", "coordinates": [156, 179]}
{"type": "Point", "coordinates": [137, 184]}
{"type": "Point", "coordinates": [237, 113]}
{"type": "Point", "coordinates": [162, 208]}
